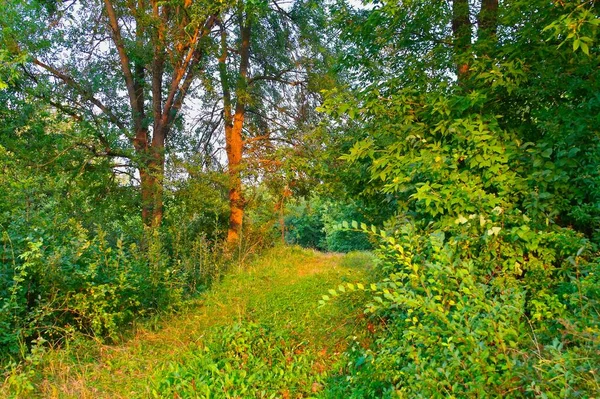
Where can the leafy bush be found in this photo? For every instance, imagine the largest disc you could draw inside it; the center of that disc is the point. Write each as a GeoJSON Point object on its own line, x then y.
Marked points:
{"type": "Point", "coordinates": [460, 322]}
{"type": "Point", "coordinates": [491, 264]}
{"type": "Point", "coordinates": [69, 264]}
{"type": "Point", "coordinates": [72, 279]}
{"type": "Point", "coordinates": [305, 226]}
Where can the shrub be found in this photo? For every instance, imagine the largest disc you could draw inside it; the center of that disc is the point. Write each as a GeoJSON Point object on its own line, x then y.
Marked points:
{"type": "Point", "coordinates": [473, 311]}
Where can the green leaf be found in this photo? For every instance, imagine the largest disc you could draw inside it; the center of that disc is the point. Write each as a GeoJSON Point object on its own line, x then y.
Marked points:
{"type": "Point", "coordinates": [585, 48]}
{"type": "Point", "coordinates": [547, 152]}
{"type": "Point", "coordinates": [352, 112]}
{"type": "Point", "coordinates": [343, 108]}
{"type": "Point", "coordinates": [461, 220]}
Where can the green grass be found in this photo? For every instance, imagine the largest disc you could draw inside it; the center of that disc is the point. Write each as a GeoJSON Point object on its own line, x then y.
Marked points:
{"type": "Point", "coordinates": [259, 333]}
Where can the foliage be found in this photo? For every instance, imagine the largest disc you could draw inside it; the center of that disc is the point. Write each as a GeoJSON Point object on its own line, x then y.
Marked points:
{"type": "Point", "coordinates": [458, 324]}
{"type": "Point", "coordinates": [72, 259]}
{"type": "Point", "coordinates": [246, 360]}
{"type": "Point", "coordinates": [305, 226]}
{"type": "Point", "coordinates": [467, 130]}
{"type": "Point", "coordinates": [72, 279]}
{"type": "Point", "coordinates": [496, 181]}
{"type": "Point", "coordinates": [312, 224]}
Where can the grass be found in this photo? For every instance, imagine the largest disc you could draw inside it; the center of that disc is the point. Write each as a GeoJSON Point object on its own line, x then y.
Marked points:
{"type": "Point", "coordinates": [259, 333]}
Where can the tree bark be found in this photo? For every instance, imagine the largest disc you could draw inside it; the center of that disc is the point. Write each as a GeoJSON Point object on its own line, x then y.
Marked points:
{"type": "Point", "coordinates": [236, 199]}
{"type": "Point", "coordinates": [234, 125]}
{"type": "Point", "coordinates": [487, 22]}
{"type": "Point", "coordinates": [461, 29]}
{"type": "Point", "coordinates": [488, 19]}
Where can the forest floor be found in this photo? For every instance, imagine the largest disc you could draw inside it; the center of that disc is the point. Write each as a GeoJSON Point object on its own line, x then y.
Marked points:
{"type": "Point", "coordinates": [260, 332]}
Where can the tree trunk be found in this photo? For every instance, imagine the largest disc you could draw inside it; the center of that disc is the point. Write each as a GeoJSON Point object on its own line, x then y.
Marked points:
{"type": "Point", "coordinates": [151, 160]}
{"type": "Point", "coordinates": [147, 188]}
{"type": "Point", "coordinates": [234, 125]}
{"type": "Point", "coordinates": [234, 158]}
{"type": "Point", "coordinates": [157, 166]}
{"type": "Point", "coordinates": [487, 21]}
{"type": "Point", "coordinates": [461, 29]}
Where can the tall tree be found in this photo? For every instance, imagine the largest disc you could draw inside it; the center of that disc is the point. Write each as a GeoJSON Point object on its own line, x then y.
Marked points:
{"type": "Point", "coordinates": [233, 120]}
{"type": "Point", "coordinates": [124, 66]}
{"type": "Point", "coordinates": [264, 64]}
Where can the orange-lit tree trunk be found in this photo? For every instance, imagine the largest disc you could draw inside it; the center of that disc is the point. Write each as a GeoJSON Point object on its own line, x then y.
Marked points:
{"type": "Point", "coordinates": [234, 123]}
{"type": "Point", "coordinates": [234, 158]}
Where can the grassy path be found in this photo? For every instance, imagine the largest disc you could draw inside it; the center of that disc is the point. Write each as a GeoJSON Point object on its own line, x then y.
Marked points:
{"type": "Point", "coordinates": [258, 333]}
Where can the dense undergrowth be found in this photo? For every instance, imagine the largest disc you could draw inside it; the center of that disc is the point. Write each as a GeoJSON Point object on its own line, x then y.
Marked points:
{"type": "Point", "coordinates": [61, 278]}
{"type": "Point", "coordinates": [459, 325]}
{"type": "Point", "coordinates": [312, 223]}
{"type": "Point", "coordinates": [81, 263]}
{"type": "Point", "coordinates": [260, 332]}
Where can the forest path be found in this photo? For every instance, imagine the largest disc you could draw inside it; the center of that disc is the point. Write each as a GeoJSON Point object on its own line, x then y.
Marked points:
{"type": "Point", "coordinates": [258, 333]}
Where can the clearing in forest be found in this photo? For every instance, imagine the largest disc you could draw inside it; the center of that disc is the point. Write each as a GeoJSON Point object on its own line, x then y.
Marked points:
{"type": "Point", "coordinates": [258, 333]}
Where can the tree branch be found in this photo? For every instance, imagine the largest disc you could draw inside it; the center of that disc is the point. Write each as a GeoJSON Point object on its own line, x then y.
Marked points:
{"type": "Point", "coordinates": [158, 64]}
{"type": "Point", "coordinates": [125, 67]}
{"type": "Point", "coordinates": [69, 81]}
{"type": "Point", "coordinates": [170, 112]}
{"type": "Point", "coordinates": [224, 78]}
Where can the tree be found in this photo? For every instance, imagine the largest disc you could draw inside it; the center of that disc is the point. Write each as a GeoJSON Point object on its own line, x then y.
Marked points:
{"type": "Point", "coordinates": [461, 30]}
{"type": "Point", "coordinates": [264, 71]}
{"type": "Point", "coordinates": [124, 67]}
{"type": "Point", "coordinates": [233, 119]}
